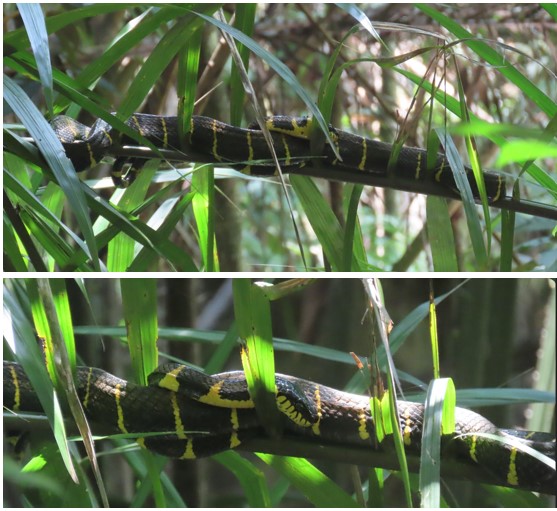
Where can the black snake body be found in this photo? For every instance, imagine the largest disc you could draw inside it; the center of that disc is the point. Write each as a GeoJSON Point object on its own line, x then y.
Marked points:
{"type": "Point", "coordinates": [186, 414]}
{"type": "Point", "coordinates": [247, 150]}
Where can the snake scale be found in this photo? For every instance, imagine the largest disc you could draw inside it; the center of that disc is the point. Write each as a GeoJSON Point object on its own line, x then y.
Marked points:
{"type": "Point", "coordinates": [198, 415]}
{"type": "Point", "coordinates": [246, 150]}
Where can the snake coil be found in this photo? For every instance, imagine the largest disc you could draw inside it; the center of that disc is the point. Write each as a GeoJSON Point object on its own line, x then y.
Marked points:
{"type": "Point", "coordinates": [196, 415]}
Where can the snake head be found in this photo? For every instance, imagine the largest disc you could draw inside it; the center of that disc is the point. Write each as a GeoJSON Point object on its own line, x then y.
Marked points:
{"type": "Point", "coordinates": [84, 146]}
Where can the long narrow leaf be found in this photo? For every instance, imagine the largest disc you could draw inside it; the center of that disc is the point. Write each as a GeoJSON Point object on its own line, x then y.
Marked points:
{"type": "Point", "coordinates": [316, 486]}
{"type": "Point", "coordinates": [54, 154]}
{"type": "Point", "coordinates": [33, 18]}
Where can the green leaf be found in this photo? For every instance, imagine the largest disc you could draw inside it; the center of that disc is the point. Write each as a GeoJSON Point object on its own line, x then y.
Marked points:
{"type": "Point", "coordinates": [322, 219]}
{"type": "Point", "coordinates": [53, 153]}
{"type": "Point", "coordinates": [497, 60]}
{"type": "Point", "coordinates": [538, 174]}
{"type": "Point", "coordinates": [139, 298]}
{"type": "Point", "coordinates": [132, 34]}
{"type": "Point", "coordinates": [280, 68]}
{"type": "Point", "coordinates": [166, 218]}
{"type": "Point", "coordinates": [311, 482]}
{"type": "Point", "coordinates": [436, 409]}
{"type": "Point", "coordinates": [244, 22]}
{"type": "Point", "coordinates": [121, 248]}
{"type": "Point", "coordinates": [251, 479]}
{"type": "Point", "coordinates": [161, 56]}
{"type": "Point", "coordinates": [551, 9]}
{"type": "Point", "coordinates": [188, 71]}
{"type": "Point", "coordinates": [353, 242]}
{"type": "Point", "coordinates": [33, 19]}
{"type": "Point", "coordinates": [19, 38]}
{"type": "Point", "coordinates": [440, 235]}
{"type": "Point", "coordinates": [362, 18]}
{"type": "Point", "coordinates": [520, 151]}
{"type": "Point", "coordinates": [468, 202]}
{"type": "Point", "coordinates": [51, 226]}
{"type": "Point", "coordinates": [253, 317]}
{"type": "Point", "coordinates": [203, 182]}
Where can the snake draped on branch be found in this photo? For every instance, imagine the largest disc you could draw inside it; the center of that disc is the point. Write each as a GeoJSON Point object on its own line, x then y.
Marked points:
{"type": "Point", "coordinates": [183, 413]}
{"type": "Point", "coordinates": [208, 140]}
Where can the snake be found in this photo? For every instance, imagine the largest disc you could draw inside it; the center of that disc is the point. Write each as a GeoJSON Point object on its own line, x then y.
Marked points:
{"type": "Point", "coordinates": [186, 414]}
{"type": "Point", "coordinates": [247, 150]}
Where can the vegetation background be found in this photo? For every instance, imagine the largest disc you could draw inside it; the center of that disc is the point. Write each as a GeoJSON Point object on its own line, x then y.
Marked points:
{"type": "Point", "coordinates": [158, 59]}
{"type": "Point", "coordinates": [494, 335]}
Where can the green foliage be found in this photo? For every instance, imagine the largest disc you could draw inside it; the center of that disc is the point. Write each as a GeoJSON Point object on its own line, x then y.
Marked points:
{"type": "Point", "coordinates": [150, 59]}
{"type": "Point", "coordinates": [276, 480]}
